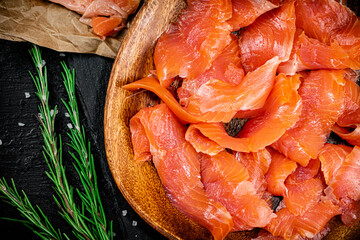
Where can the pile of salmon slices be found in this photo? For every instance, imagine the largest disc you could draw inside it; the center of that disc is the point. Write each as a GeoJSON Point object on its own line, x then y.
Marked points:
{"type": "Point", "coordinates": [282, 75]}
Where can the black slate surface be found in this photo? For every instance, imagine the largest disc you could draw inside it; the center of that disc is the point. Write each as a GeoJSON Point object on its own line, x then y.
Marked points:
{"type": "Point", "coordinates": [21, 140]}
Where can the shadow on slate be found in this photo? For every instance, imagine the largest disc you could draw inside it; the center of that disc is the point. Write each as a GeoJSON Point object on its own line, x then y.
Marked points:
{"type": "Point", "coordinates": [21, 146]}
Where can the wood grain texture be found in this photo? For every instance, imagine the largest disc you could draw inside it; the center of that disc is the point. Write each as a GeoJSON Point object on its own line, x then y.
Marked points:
{"type": "Point", "coordinates": [139, 183]}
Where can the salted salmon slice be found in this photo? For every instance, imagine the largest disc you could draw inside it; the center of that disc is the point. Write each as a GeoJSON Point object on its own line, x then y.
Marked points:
{"type": "Point", "coordinates": [272, 34]}
{"type": "Point", "coordinates": [348, 124]}
{"type": "Point", "coordinates": [303, 196]}
{"type": "Point", "coordinates": [153, 85]}
{"type": "Point", "coordinates": [322, 94]}
{"type": "Point", "coordinates": [280, 168]}
{"type": "Point", "coordinates": [308, 225]}
{"type": "Point", "coordinates": [281, 111]}
{"type": "Point", "coordinates": [244, 12]}
{"type": "Point", "coordinates": [216, 97]}
{"type": "Point", "coordinates": [215, 100]}
{"type": "Point", "coordinates": [190, 45]}
{"type": "Point", "coordinates": [328, 20]}
{"type": "Point", "coordinates": [302, 174]}
{"type": "Point", "coordinates": [309, 54]}
{"type": "Point", "coordinates": [178, 166]}
{"type": "Point", "coordinates": [104, 26]}
{"type": "Point", "coordinates": [332, 157]}
{"type": "Point", "coordinates": [225, 180]}
{"type": "Point", "coordinates": [226, 67]}
{"type": "Point", "coordinates": [105, 16]}
{"type": "Point", "coordinates": [346, 181]}
{"type": "Point", "coordinates": [257, 164]}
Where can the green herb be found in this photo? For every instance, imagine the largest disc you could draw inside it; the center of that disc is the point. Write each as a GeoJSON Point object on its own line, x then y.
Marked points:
{"type": "Point", "coordinates": [88, 221]}
{"type": "Point", "coordinates": [84, 163]}
{"type": "Point", "coordinates": [34, 218]}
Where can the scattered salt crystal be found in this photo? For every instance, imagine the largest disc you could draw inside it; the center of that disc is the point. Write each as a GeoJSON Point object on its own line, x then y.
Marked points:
{"type": "Point", "coordinates": [52, 112]}
{"type": "Point", "coordinates": [134, 223]}
{"type": "Point", "coordinates": [124, 212]}
{"type": "Point", "coordinates": [67, 114]}
{"type": "Point", "coordinates": [21, 124]}
{"type": "Point", "coordinates": [40, 116]}
{"type": "Point", "coordinates": [27, 94]}
{"type": "Point", "coordinates": [70, 125]}
{"type": "Point", "coordinates": [0, 142]}
{"type": "Point", "coordinates": [62, 54]}
{"type": "Point", "coordinates": [136, 235]}
{"type": "Point", "coordinates": [114, 234]}
{"type": "Point", "coordinates": [43, 62]}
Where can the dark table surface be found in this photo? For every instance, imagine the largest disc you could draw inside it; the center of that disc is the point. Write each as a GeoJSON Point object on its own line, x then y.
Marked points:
{"type": "Point", "coordinates": [21, 140]}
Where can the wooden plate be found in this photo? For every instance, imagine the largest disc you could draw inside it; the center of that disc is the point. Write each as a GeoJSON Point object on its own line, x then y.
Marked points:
{"type": "Point", "coordinates": [139, 183]}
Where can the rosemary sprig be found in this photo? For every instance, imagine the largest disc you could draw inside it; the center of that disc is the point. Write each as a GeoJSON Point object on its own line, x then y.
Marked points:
{"type": "Point", "coordinates": [52, 151]}
{"type": "Point", "coordinates": [84, 163]}
{"type": "Point", "coordinates": [34, 218]}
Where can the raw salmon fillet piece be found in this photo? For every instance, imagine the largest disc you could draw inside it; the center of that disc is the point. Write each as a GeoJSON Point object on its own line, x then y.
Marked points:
{"type": "Point", "coordinates": [302, 174]}
{"type": "Point", "coordinates": [244, 12]}
{"type": "Point", "coordinates": [309, 224]}
{"type": "Point", "coordinates": [189, 46]}
{"type": "Point", "coordinates": [225, 180]}
{"type": "Point", "coordinates": [105, 16]}
{"type": "Point", "coordinates": [226, 67]}
{"type": "Point", "coordinates": [331, 23]}
{"type": "Point", "coordinates": [178, 166]}
{"type": "Point", "coordinates": [309, 54]}
{"type": "Point", "coordinates": [272, 34]}
{"type": "Point", "coordinates": [350, 117]}
{"type": "Point", "coordinates": [257, 164]}
{"type": "Point", "coordinates": [280, 168]}
{"type": "Point", "coordinates": [224, 100]}
{"type": "Point", "coordinates": [152, 84]}
{"type": "Point", "coordinates": [322, 94]}
{"type": "Point", "coordinates": [340, 165]}
{"type": "Point", "coordinates": [303, 196]}
{"type": "Point", "coordinates": [281, 111]}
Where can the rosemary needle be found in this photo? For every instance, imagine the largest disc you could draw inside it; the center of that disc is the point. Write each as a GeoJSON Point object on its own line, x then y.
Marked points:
{"type": "Point", "coordinates": [34, 218]}
{"type": "Point", "coordinates": [84, 162]}
{"type": "Point", "coordinates": [52, 151]}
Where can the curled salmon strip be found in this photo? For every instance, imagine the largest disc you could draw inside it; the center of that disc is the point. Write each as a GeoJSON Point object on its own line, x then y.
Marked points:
{"type": "Point", "coordinates": [308, 225]}
{"type": "Point", "coordinates": [245, 12]}
{"type": "Point", "coordinates": [178, 166]}
{"type": "Point", "coordinates": [190, 45]}
{"type": "Point", "coordinates": [226, 67]}
{"type": "Point", "coordinates": [281, 111]}
{"type": "Point", "coordinates": [322, 94]}
{"type": "Point", "coordinates": [348, 125]}
{"type": "Point", "coordinates": [309, 54]}
{"type": "Point", "coordinates": [340, 165]}
{"type": "Point", "coordinates": [225, 100]}
{"type": "Point", "coordinates": [225, 180]}
{"type": "Point", "coordinates": [219, 101]}
{"type": "Point", "coordinates": [257, 164]}
{"type": "Point", "coordinates": [272, 34]}
{"type": "Point", "coordinates": [280, 168]}
{"type": "Point", "coordinates": [104, 16]}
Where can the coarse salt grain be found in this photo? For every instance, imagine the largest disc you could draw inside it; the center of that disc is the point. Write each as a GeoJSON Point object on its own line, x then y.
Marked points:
{"type": "Point", "coordinates": [134, 223]}
{"type": "Point", "coordinates": [124, 212]}
{"type": "Point", "coordinates": [67, 114]}
{"type": "Point", "coordinates": [70, 125]}
{"type": "Point", "coordinates": [62, 54]}
{"type": "Point", "coordinates": [27, 94]}
{"type": "Point", "coordinates": [52, 112]}
{"type": "Point", "coordinates": [21, 124]}
{"type": "Point", "coordinates": [0, 142]}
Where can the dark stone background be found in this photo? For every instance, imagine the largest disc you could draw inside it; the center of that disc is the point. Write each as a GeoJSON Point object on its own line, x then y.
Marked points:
{"type": "Point", "coordinates": [21, 149]}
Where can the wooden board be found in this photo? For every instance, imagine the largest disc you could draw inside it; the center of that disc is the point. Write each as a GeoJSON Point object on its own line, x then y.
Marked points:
{"type": "Point", "coordinates": [139, 183]}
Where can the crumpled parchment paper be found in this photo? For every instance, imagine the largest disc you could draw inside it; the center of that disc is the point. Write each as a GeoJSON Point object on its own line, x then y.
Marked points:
{"type": "Point", "coordinates": [53, 26]}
